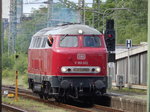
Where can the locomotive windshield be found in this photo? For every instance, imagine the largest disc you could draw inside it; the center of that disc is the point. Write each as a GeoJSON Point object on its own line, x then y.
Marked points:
{"type": "Point", "coordinates": [69, 41]}
{"type": "Point", "coordinates": [91, 41]}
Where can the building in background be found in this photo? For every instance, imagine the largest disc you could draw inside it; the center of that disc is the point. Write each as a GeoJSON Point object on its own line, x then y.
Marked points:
{"type": "Point", "coordinates": [138, 65]}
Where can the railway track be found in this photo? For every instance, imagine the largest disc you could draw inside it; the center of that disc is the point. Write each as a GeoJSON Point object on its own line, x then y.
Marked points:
{"type": "Point", "coordinates": [12, 108]}
{"type": "Point", "coordinates": [12, 88]}
{"type": "Point", "coordinates": [29, 95]}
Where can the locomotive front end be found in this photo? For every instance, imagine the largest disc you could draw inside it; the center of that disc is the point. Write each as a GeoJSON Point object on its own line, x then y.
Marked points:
{"type": "Point", "coordinates": [81, 62]}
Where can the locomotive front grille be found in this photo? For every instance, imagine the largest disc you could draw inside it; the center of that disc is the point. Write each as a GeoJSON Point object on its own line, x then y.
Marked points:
{"type": "Point", "coordinates": [80, 69]}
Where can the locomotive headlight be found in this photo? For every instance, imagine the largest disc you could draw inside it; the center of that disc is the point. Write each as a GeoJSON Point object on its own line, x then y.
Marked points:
{"type": "Point", "coordinates": [98, 69]}
{"type": "Point", "coordinates": [80, 31]}
{"type": "Point", "coordinates": [63, 69]}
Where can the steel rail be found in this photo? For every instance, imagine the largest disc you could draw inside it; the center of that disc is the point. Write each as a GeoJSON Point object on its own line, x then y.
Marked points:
{"type": "Point", "coordinates": [65, 106]}
{"type": "Point", "coordinates": [19, 89]}
{"type": "Point", "coordinates": [12, 108]}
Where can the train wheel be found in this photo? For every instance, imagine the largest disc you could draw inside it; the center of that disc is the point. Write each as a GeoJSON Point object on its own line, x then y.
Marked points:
{"type": "Point", "coordinates": [103, 91]}
{"type": "Point", "coordinates": [59, 99]}
{"type": "Point", "coordinates": [31, 83]}
{"type": "Point", "coordinates": [41, 95]}
{"type": "Point", "coordinates": [45, 97]}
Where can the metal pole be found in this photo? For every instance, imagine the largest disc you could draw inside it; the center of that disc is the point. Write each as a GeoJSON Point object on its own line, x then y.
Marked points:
{"type": "Point", "coordinates": [16, 89]}
{"type": "Point", "coordinates": [98, 14]}
{"type": "Point", "coordinates": [0, 55]}
{"type": "Point", "coordinates": [129, 68]}
{"type": "Point", "coordinates": [50, 8]}
{"type": "Point", "coordinates": [93, 18]}
{"type": "Point", "coordinates": [16, 78]}
{"type": "Point", "coordinates": [83, 5]}
{"type": "Point", "coordinates": [103, 21]}
{"type": "Point", "coordinates": [12, 27]}
{"type": "Point", "coordinates": [148, 65]}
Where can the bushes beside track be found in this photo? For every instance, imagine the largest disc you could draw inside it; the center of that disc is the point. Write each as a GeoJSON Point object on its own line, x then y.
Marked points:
{"type": "Point", "coordinates": [10, 65]}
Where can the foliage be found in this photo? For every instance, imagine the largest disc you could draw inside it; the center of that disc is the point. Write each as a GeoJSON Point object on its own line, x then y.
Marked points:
{"type": "Point", "coordinates": [131, 23]}
{"type": "Point", "coordinates": [129, 90]}
{"type": "Point", "coordinates": [8, 61]}
{"type": "Point", "coordinates": [7, 73]}
{"type": "Point", "coordinates": [32, 105]}
{"type": "Point", "coordinates": [37, 20]}
{"type": "Point", "coordinates": [21, 64]}
{"type": "Point", "coordinates": [10, 64]}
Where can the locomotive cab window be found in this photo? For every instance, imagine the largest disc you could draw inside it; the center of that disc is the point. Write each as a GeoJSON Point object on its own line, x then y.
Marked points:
{"type": "Point", "coordinates": [68, 41]}
{"type": "Point", "coordinates": [91, 41]}
{"type": "Point", "coordinates": [50, 40]}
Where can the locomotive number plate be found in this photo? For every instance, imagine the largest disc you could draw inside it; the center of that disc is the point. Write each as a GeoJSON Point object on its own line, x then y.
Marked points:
{"type": "Point", "coordinates": [81, 69]}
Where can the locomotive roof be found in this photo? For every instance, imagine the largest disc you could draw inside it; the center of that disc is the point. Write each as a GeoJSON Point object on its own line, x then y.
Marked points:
{"type": "Point", "coordinates": [68, 29]}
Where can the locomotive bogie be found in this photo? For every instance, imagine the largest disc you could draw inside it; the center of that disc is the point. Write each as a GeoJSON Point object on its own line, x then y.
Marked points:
{"type": "Point", "coordinates": [76, 87]}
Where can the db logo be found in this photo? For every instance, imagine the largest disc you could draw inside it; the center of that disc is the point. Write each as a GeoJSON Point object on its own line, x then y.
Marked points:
{"type": "Point", "coordinates": [81, 56]}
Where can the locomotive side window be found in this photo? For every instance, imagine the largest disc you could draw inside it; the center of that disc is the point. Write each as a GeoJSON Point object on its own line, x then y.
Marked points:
{"type": "Point", "coordinates": [38, 42]}
{"type": "Point", "coordinates": [44, 42]}
{"type": "Point", "coordinates": [34, 42]}
{"type": "Point", "coordinates": [92, 41]}
{"type": "Point", "coordinates": [68, 41]}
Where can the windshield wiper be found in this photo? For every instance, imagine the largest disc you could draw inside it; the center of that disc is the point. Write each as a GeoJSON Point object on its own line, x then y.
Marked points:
{"type": "Point", "coordinates": [62, 38]}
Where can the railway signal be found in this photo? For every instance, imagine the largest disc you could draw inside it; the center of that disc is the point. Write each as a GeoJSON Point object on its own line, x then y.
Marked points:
{"type": "Point", "coordinates": [110, 40]}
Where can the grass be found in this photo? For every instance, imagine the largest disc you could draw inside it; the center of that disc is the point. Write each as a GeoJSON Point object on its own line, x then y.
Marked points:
{"type": "Point", "coordinates": [32, 105]}
{"type": "Point", "coordinates": [129, 90]}
{"type": "Point", "coordinates": [131, 93]}
{"type": "Point", "coordinates": [10, 79]}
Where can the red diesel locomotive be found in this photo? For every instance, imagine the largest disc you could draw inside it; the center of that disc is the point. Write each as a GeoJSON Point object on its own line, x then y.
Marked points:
{"type": "Point", "coordinates": [68, 61]}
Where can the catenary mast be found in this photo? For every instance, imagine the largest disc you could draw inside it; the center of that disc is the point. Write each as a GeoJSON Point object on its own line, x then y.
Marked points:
{"type": "Point", "coordinates": [12, 27]}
